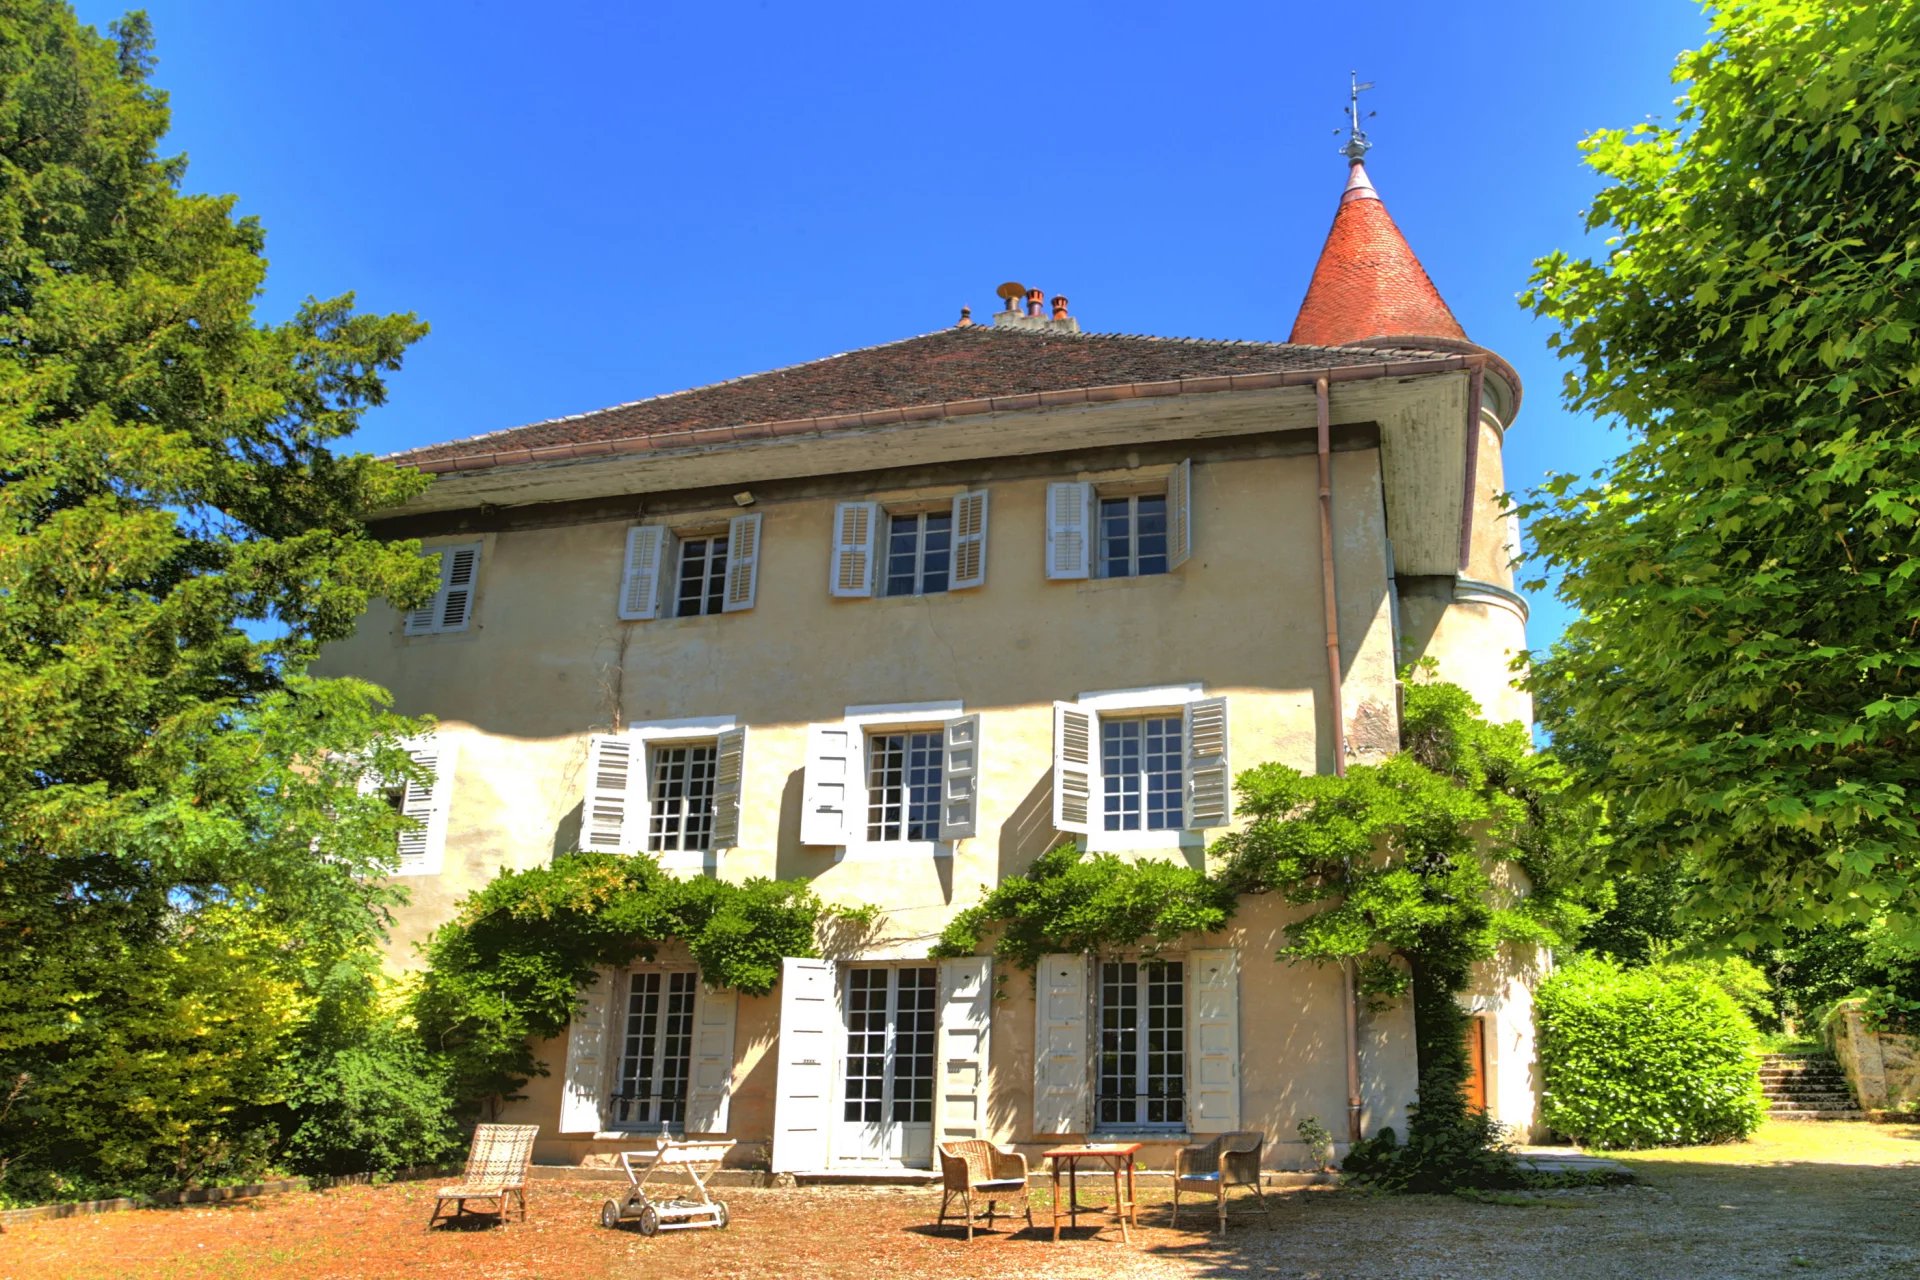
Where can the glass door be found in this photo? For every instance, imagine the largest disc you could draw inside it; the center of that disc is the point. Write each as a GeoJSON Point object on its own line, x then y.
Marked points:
{"type": "Point", "coordinates": [886, 1072]}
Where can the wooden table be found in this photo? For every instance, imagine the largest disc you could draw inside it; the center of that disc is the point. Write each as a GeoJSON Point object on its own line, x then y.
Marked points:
{"type": "Point", "coordinates": [1118, 1155]}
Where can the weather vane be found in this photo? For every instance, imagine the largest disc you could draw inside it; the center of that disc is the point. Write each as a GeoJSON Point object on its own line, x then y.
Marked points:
{"type": "Point", "coordinates": [1357, 144]}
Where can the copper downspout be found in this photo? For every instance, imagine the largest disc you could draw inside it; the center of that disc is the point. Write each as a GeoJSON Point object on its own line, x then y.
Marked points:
{"type": "Point", "coordinates": [1323, 422]}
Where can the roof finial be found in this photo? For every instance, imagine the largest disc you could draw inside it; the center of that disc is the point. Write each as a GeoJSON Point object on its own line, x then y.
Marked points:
{"type": "Point", "coordinates": [1357, 144]}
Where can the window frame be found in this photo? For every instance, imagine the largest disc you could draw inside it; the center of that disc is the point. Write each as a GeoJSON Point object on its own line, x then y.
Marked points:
{"type": "Point", "coordinates": [1099, 567]}
{"type": "Point", "coordinates": [652, 746]}
{"type": "Point", "coordinates": [883, 556]}
{"type": "Point", "coordinates": [622, 1033]}
{"type": "Point", "coordinates": [1141, 1006]}
{"type": "Point", "coordinates": [712, 597]}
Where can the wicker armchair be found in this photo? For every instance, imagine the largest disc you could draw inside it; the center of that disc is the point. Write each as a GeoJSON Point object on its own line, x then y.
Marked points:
{"type": "Point", "coordinates": [976, 1168]}
{"type": "Point", "coordinates": [496, 1170]}
{"type": "Point", "coordinates": [1232, 1159]}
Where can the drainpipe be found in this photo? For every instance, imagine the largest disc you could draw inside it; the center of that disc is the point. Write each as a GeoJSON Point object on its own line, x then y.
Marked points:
{"type": "Point", "coordinates": [1323, 421]}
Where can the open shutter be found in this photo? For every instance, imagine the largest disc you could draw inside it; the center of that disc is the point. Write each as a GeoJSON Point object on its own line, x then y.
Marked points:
{"type": "Point", "coordinates": [1069, 535]}
{"type": "Point", "coordinates": [960, 777]}
{"type": "Point", "coordinates": [832, 782]}
{"type": "Point", "coordinates": [1215, 1085]}
{"type": "Point", "coordinates": [966, 1015]}
{"type": "Point", "coordinates": [463, 569]}
{"type": "Point", "coordinates": [730, 762]}
{"type": "Point", "coordinates": [614, 810]}
{"type": "Point", "coordinates": [856, 527]}
{"type": "Point", "coordinates": [419, 848]}
{"type": "Point", "coordinates": [1075, 766]}
{"type": "Point", "coordinates": [969, 540]}
{"type": "Point", "coordinates": [1060, 1062]}
{"type": "Point", "coordinates": [1209, 784]}
{"type": "Point", "coordinates": [420, 621]}
{"type": "Point", "coordinates": [587, 1041]}
{"type": "Point", "coordinates": [1180, 514]}
{"type": "Point", "coordinates": [743, 562]}
{"type": "Point", "coordinates": [641, 586]}
{"type": "Point", "coordinates": [803, 1079]}
{"type": "Point", "coordinates": [712, 1082]}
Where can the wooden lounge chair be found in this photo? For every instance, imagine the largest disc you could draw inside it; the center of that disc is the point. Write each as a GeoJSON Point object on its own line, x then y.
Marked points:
{"type": "Point", "coordinates": [977, 1168]}
{"type": "Point", "coordinates": [496, 1170]}
{"type": "Point", "coordinates": [1232, 1159]}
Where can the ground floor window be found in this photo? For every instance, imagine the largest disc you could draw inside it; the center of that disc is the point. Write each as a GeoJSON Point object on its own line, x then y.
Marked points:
{"type": "Point", "coordinates": [890, 1045]}
{"type": "Point", "coordinates": [1142, 1071]}
{"type": "Point", "coordinates": [656, 1052]}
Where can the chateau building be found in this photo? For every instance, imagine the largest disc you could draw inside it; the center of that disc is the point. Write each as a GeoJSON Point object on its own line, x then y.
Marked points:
{"type": "Point", "coordinates": [898, 621]}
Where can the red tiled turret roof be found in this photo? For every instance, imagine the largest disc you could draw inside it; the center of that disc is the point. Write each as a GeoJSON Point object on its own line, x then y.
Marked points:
{"type": "Point", "coordinates": [1368, 286]}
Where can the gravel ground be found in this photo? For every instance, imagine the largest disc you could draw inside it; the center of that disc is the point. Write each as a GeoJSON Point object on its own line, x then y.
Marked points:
{"type": "Point", "coordinates": [1829, 1200]}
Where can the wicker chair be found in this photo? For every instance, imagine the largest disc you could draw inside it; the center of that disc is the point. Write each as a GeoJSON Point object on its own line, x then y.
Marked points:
{"type": "Point", "coordinates": [977, 1168]}
{"type": "Point", "coordinates": [496, 1170]}
{"type": "Point", "coordinates": [1232, 1159]}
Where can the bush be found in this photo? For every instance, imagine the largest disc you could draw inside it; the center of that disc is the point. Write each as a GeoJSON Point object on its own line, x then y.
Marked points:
{"type": "Point", "coordinates": [1659, 1056]}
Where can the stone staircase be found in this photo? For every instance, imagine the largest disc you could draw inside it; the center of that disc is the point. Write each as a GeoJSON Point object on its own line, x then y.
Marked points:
{"type": "Point", "coordinates": [1806, 1086]}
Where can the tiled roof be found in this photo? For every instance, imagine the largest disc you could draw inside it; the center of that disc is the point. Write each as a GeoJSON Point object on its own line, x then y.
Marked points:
{"type": "Point", "coordinates": [956, 369]}
{"type": "Point", "coordinates": [1368, 286]}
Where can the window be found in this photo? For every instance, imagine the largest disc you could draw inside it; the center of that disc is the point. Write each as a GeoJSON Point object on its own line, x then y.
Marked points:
{"type": "Point", "coordinates": [919, 553]}
{"type": "Point", "coordinates": [1142, 1064]}
{"type": "Point", "coordinates": [1143, 772]}
{"type": "Point", "coordinates": [1133, 536]}
{"type": "Point", "coordinates": [656, 1052]}
{"type": "Point", "coordinates": [889, 1046]}
{"type": "Point", "coordinates": [903, 785]}
{"type": "Point", "coordinates": [451, 607]}
{"type": "Point", "coordinates": [680, 808]}
{"type": "Point", "coordinates": [670, 576]}
{"type": "Point", "coordinates": [419, 849]}
{"type": "Point", "coordinates": [703, 576]}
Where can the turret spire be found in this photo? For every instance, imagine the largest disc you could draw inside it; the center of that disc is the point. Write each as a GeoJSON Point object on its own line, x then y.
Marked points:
{"type": "Point", "coordinates": [1357, 144]}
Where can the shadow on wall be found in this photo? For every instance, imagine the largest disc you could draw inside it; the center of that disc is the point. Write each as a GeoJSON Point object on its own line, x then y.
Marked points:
{"type": "Point", "coordinates": [1028, 831]}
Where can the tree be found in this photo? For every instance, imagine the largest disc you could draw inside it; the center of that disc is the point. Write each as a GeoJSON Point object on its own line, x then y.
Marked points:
{"type": "Point", "coordinates": [177, 539]}
{"type": "Point", "coordinates": [1743, 681]}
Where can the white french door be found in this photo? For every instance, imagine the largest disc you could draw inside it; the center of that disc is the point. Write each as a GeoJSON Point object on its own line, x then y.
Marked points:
{"type": "Point", "coordinates": [885, 1111]}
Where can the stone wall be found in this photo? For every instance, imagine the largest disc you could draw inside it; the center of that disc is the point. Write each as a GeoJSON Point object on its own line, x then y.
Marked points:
{"type": "Point", "coordinates": [1884, 1069]}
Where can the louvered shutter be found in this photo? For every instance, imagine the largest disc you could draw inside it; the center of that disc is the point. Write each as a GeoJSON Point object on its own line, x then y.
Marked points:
{"type": "Point", "coordinates": [1180, 514]}
{"type": "Point", "coordinates": [856, 527]}
{"type": "Point", "coordinates": [420, 621]}
{"type": "Point", "coordinates": [1069, 531]}
{"type": "Point", "coordinates": [830, 791]}
{"type": "Point", "coordinates": [463, 571]}
{"type": "Point", "coordinates": [1209, 783]}
{"type": "Point", "coordinates": [730, 762]}
{"type": "Point", "coordinates": [803, 1072]}
{"type": "Point", "coordinates": [966, 1016]}
{"type": "Point", "coordinates": [1075, 766]}
{"type": "Point", "coordinates": [642, 585]}
{"type": "Point", "coordinates": [711, 1085]}
{"type": "Point", "coordinates": [613, 814]}
{"type": "Point", "coordinates": [419, 848]}
{"type": "Point", "coordinates": [959, 777]}
{"type": "Point", "coordinates": [969, 540]}
{"type": "Point", "coordinates": [1215, 1084]}
{"type": "Point", "coordinates": [743, 563]}
{"type": "Point", "coordinates": [1060, 1062]}
{"type": "Point", "coordinates": [587, 1043]}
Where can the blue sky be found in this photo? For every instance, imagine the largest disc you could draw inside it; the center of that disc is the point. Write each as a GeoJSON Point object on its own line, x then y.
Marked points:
{"type": "Point", "coordinates": [592, 203]}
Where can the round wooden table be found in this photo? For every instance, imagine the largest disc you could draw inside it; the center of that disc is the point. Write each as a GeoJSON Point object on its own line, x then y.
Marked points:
{"type": "Point", "coordinates": [1117, 1155]}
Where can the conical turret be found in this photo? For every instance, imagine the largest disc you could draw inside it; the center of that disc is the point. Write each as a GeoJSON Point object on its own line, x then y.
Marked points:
{"type": "Point", "coordinates": [1368, 287]}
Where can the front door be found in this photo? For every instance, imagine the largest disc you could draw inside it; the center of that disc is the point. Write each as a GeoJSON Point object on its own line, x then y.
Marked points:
{"type": "Point", "coordinates": [886, 1072]}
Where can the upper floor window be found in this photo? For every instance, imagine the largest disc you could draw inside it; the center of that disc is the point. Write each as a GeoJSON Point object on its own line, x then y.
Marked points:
{"type": "Point", "coordinates": [691, 574]}
{"type": "Point", "coordinates": [1142, 773]}
{"type": "Point", "coordinates": [1127, 529]}
{"type": "Point", "coordinates": [702, 587]}
{"type": "Point", "coordinates": [1133, 768]}
{"type": "Point", "coordinates": [669, 787]}
{"type": "Point", "coordinates": [424, 802]}
{"type": "Point", "coordinates": [1133, 535]}
{"type": "Point", "coordinates": [680, 808]}
{"type": "Point", "coordinates": [914, 549]}
{"type": "Point", "coordinates": [891, 776]}
{"type": "Point", "coordinates": [919, 553]}
{"type": "Point", "coordinates": [451, 607]}
{"type": "Point", "coordinates": [903, 784]}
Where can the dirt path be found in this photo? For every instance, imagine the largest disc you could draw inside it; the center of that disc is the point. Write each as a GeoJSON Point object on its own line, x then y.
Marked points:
{"type": "Point", "coordinates": [1828, 1200]}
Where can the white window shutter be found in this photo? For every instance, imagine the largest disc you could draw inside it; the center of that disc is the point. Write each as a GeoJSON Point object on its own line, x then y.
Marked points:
{"type": "Point", "coordinates": [856, 529]}
{"type": "Point", "coordinates": [1214, 1090]}
{"type": "Point", "coordinates": [420, 621]}
{"type": "Point", "coordinates": [585, 1086]}
{"type": "Point", "coordinates": [463, 572]}
{"type": "Point", "coordinates": [1180, 514]}
{"type": "Point", "coordinates": [730, 762]}
{"type": "Point", "coordinates": [830, 794]}
{"type": "Point", "coordinates": [803, 1072]}
{"type": "Point", "coordinates": [960, 1062]}
{"type": "Point", "coordinates": [711, 1085]}
{"type": "Point", "coordinates": [1060, 1062]}
{"type": "Point", "coordinates": [960, 778]}
{"type": "Point", "coordinates": [743, 563]}
{"type": "Point", "coordinates": [420, 848]}
{"type": "Point", "coordinates": [1076, 766]}
{"type": "Point", "coordinates": [614, 810]}
{"type": "Point", "coordinates": [1209, 783]}
{"type": "Point", "coordinates": [641, 587]}
{"type": "Point", "coordinates": [969, 541]}
{"type": "Point", "coordinates": [1069, 529]}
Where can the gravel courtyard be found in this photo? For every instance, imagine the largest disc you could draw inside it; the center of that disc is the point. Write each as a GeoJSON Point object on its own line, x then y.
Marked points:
{"type": "Point", "coordinates": [1839, 1200]}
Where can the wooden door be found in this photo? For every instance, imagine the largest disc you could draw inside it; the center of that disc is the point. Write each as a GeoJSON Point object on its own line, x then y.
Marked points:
{"type": "Point", "coordinates": [1476, 1049]}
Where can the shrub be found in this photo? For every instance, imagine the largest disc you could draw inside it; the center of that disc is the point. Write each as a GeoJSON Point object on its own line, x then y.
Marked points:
{"type": "Point", "coordinates": [1659, 1056]}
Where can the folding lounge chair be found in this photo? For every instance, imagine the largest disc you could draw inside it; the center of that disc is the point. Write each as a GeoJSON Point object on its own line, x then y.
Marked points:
{"type": "Point", "coordinates": [496, 1170]}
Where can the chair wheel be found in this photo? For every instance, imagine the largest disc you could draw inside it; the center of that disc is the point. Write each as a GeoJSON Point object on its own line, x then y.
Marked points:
{"type": "Point", "coordinates": [610, 1214]}
{"type": "Point", "coordinates": [649, 1220]}
{"type": "Point", "coordinates": [720, 1218]}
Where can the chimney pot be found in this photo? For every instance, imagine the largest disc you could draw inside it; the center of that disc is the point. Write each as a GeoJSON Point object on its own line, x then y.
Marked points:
{"type": "Point", "coordinates": [1059, 306]}
{"type": "Point", "coordinates": [1036, 299]}
{"type": "Point", "coordinates": [966, 318]}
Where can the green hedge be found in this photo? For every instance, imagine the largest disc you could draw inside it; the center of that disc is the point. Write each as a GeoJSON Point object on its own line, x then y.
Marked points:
{"type": "Point", "coordinates": [1658, 1056]}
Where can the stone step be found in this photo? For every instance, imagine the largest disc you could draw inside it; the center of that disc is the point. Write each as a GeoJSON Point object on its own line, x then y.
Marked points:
{"type": "Point", "coordinates": [1803, 1117]}
{"type": "Point", "coordinates": [1838, 1087]}
{"type": "Point", "coordinates": [1823, 1104]}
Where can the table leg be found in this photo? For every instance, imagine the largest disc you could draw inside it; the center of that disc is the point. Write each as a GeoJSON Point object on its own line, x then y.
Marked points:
{"type": "Point", "coordinates": [1119, 1200]}
{"type": "Point", "coordinates": [1056, 1200]}
{"type": "Point", "coordinates": [1073, 1194]}
{"type": "Point", "coordinates": [1133, 1199]}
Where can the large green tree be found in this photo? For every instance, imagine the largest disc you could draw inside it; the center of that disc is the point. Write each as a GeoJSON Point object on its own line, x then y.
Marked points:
{"type": "Point", "coordinates": [1743, 680]}
{"type": "Point", "coordinates": [177, 537]}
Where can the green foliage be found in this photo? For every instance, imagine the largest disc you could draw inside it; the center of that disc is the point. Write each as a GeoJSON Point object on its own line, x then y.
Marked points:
{"type": "Point", "coordinates": [508, 968]}
{"type": "Point", "coordinates": [1467, 1151]}
{"type": "Point", "coordinates": [1657, 1056]}
{"type": "Point", "coordinates": [1319, 1142]}
{"type": "Point", "coordinates": [1742, 681]}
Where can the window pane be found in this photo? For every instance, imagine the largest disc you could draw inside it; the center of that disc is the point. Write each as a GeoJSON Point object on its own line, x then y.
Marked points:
{"type": "Point", "coordinates": [1119, 1064]}
{"type": "Point", "coordinates": [903, 785]}
{"type": "Point", "coordinates": [866, 1059]}
{"type": "Point", "coordinates": [680, 815]}
{"type": "Point", "coordinates": [903, 554]}
{"type": "Point", "coordinates": [1116, 537]}
{"type": "Point", "coordinates": [913, 1044]}
{"type": "Point", "coordinates": [1163, 766]}
{"type": "Point", "coordinates": [1120, 746]}
{"type": "Point", "coordinates": [1150, 541]}
{"type": "Point", "coordinates": [702, 585]}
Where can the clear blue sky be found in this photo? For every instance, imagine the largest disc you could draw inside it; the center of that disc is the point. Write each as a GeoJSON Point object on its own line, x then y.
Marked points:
{"type": "Point", "coordinates": [592, 203]}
